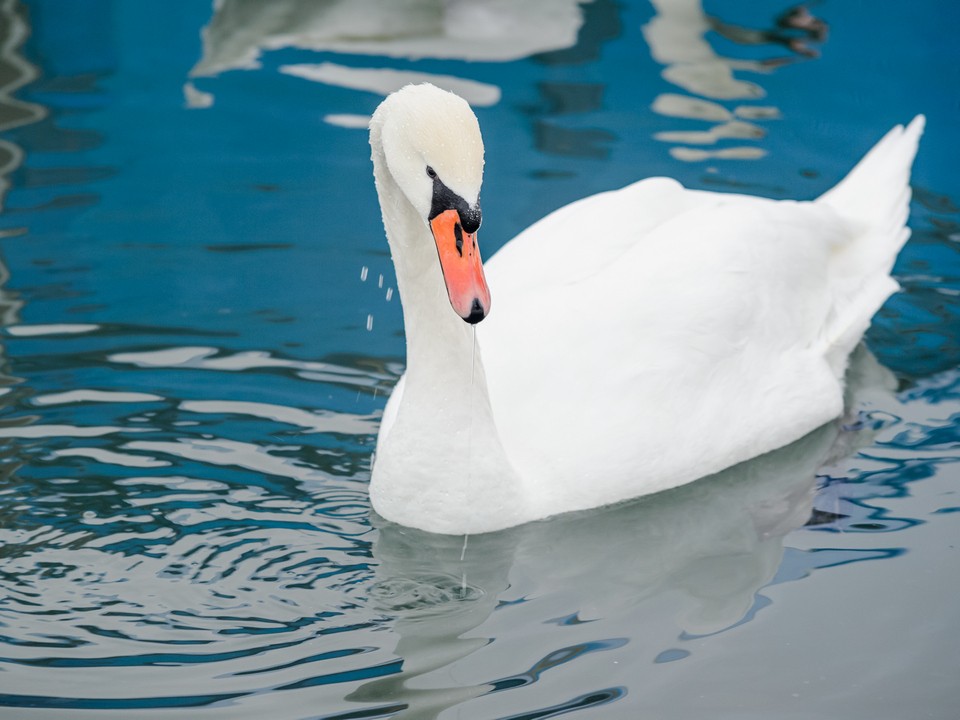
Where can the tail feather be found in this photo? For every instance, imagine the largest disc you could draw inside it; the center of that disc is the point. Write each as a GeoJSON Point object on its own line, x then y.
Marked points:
{"type": "Point", "coordinates": [874, 201]}
{"type": "Point", "coordinates": [878, 188]}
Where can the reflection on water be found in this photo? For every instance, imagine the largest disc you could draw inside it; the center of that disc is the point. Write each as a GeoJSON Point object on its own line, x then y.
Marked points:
{"type": "Point", "coordinates": [485, 31]}
{"type": "Point", "coordinates": [15, 72]}
{"type": "Point", "coordinates": [678, 39]}
{"type": "Point", "coordinates": [230, 564]}
{"type": "Point", "coordinates": [554, 33]}
{"type": "Point", "coordinates": [384, 81]}
{"type": "Point", "coordinates": [710, 546]}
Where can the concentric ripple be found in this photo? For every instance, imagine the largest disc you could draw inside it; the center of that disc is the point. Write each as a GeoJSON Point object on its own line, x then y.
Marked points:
{"type": "Point", "coordinates": [176, 534]}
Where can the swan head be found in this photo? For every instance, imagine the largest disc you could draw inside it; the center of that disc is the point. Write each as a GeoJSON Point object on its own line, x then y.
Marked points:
{"type": "Point", "coordinates": [432, 147]}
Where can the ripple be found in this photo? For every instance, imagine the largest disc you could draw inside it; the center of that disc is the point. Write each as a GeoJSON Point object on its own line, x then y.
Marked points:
{"type": "Point", "coordinates": [249, 456]}
{"type": "Point", "coordinates": [53, 431]}
{"type": "Point", "coordinates": [50, 329]}
{"type": "Point", "coordinates": [207, 358]}
{"type": "Point", "coordinates": [207, 566]}
{"type": "Point", "coordinates": [424, 593]}
{"type": "Point", "coordinates": [320, 421]}
{"type": "Point", "coordinates": [110, 457]}
{"type": "Point", "coordinates": [94, 396]}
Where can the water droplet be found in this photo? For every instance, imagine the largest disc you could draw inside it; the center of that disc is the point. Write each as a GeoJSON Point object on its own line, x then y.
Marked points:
{"type": "Point", "coordinates": [363, 273]}
{"type": "Point", "coordinates": [389, 294]}
{"type": "Point", "coordinates": [369, 322]}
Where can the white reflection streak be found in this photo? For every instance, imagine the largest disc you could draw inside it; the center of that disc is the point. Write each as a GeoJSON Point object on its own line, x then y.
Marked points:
{"type": "Point", "coordinates": [230, 453]}
{"type": "Point", "coordinates": [735, 129]}
{"type": "Point", "coordinates": [319, 422]}
{"type": "Point", "coordinates": [200, 358]}
{"type": "Point", "coordinates": [733, 153]}
{"type": "Point", "coordinates": [384, 81]}
{"type": "Point", "coordinates": [52, 431]}
{"type": "Point", "coordinates": [109, 457]}
{"type": "Point", "coordinates": [52, 329]}
{"type": "Point", "coordinates": [173, 482]}
{"type": "Point", "coordinates": [196, 99]}
{"type": "Point", "coordinates": [94, 396]}
{"type": "Point", "coordinates": [346, 120]}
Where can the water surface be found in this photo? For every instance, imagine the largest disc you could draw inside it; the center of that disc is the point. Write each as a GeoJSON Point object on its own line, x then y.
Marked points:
{"type": "Point", "coordinates": [200, 328]}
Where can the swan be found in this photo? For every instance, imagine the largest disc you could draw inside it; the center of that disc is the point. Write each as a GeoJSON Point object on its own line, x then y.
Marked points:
{"type": "Point", "coordinates": [639, 339]}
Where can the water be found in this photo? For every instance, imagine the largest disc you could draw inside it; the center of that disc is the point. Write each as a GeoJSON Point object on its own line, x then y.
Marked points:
{"type": "Point", "coordinates": [200, 327]}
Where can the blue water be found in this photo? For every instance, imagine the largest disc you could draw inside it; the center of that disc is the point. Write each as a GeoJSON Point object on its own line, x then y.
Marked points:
{"type": "Point", "coordinates": [200, 328]}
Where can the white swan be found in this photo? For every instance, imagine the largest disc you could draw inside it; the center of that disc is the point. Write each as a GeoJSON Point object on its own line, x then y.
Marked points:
{"type": "Point", "coordinates": [639, 339]}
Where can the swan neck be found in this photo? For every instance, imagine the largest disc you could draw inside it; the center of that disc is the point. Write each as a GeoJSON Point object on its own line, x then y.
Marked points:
{"type": "Point", "coordinates": [441, 467]}
{"type": "Point", "coordinates": [440, 345]}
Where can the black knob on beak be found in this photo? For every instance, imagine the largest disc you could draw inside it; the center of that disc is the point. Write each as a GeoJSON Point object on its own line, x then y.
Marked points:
{"type": "Point", "coordinates": [477, 312]}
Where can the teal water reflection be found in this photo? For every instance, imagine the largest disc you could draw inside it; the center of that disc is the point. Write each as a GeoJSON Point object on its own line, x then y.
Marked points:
{"type": "Point", "coordinates": [200, 327]}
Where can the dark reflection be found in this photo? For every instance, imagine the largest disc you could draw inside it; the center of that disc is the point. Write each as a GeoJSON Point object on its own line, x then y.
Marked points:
{"type": "Point", "coordinates": [46, 137]}
{"type": "Point", "coordinates": [572, 142]}
{"type": "Point", "coordinates": [601, 23]}
{"type": "Point", "coordinates": [917, 334]}
{"type": "Point", "coordinates": [723, 183]}
{"type": "Point", "coordinates": [15, 72]}
{"type": "Point", "coordinates": [820, 518]}
{"type": "Point", "coordinates": [36, 124]}
{"type": "Point", "coordinates": [563, 98]}
{"type": "Point", "coordinates": [795, 29]}
{"type": "Point", "coordinates": [47, 177]}
{"type": "Point", "coordinates": [559, 99]}
{"type": "Point", "coordinates": [936, 202]}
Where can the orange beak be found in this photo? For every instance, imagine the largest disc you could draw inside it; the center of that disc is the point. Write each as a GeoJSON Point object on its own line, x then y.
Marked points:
{"type": "Point", "coordinates": [461, 266]}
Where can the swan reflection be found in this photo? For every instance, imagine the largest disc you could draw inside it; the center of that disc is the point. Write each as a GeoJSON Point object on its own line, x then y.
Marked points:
{"type": "Point", "coordinates": [480, 30]}
{"type": "Point", "coordinates": [707, 548]}
{"type": "Point", "coordinates": [240, 31]}
{"type": "Point", "coordinates": [680, 564]}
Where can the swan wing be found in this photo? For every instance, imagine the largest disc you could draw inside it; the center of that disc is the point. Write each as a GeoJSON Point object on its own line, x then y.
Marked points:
{"type": "Point", "coordinates": [687, 339]}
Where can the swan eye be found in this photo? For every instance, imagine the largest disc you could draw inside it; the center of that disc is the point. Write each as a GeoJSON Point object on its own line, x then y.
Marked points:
{"type": "Point", "coordinates": [431, 172]}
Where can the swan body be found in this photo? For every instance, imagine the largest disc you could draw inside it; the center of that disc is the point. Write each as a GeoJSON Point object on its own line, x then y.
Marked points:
{"type": "Point", "coordinates": [641, 338]}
